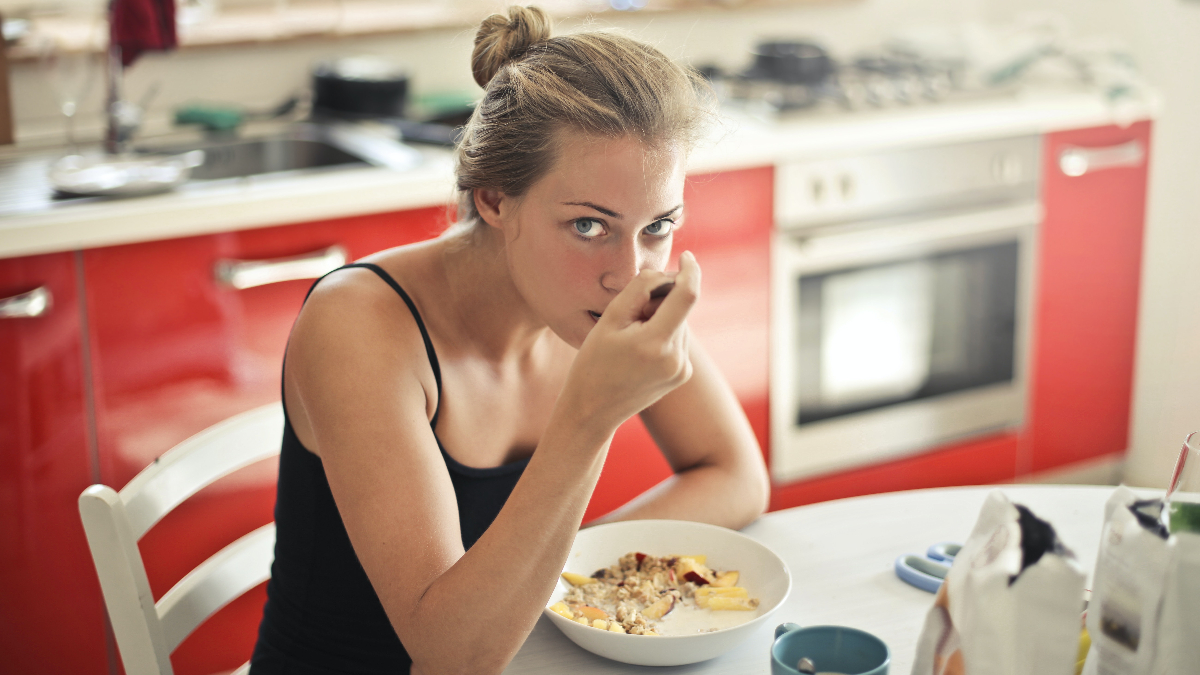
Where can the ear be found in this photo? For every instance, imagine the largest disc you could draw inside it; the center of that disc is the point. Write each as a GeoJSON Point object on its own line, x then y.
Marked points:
{"type": "Point", "coordinates": [487, 203]}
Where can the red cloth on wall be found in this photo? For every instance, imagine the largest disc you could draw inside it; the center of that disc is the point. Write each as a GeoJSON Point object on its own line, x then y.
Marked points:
{"type": "Point", "coordinates": [138, 26]}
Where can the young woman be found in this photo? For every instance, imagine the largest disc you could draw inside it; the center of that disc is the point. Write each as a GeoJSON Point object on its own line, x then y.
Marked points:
{"type": "Point", "coordinates": [450, 404]}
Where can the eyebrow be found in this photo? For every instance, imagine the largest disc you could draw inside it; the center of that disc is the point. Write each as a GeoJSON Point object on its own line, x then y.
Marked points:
{"type": "Point", "coordinates": [613, 214]}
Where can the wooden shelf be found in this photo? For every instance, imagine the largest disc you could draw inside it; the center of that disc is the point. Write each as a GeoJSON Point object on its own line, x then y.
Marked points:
{"type": "Point", "coordinates": [293, 20]}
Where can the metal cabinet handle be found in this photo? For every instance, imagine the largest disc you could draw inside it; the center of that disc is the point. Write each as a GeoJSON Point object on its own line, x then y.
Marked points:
{"type": "Point", "coordinates": [27, 305]}
{"type": "Point", "coordinates": [1078, 161]}
{"type": "Point", "coordinates": [250, 273]}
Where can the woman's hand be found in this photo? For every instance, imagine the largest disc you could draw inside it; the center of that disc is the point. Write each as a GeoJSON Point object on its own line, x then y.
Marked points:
{"type": "Point", "coordinates": [630, 361]}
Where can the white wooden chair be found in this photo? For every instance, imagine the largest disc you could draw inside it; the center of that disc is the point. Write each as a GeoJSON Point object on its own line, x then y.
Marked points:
{"type": "Point", "coordinates": [148, 631]}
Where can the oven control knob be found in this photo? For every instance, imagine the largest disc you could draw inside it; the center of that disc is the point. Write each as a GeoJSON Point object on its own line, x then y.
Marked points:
{"type": "Point", "coordinates": [846, 183]}
{"type": "Point", "coordinates": [1007, 169]}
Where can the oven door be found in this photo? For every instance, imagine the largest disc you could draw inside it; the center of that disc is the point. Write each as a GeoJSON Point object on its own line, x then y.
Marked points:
{"type": "Point", "coordinates": [892, 338]}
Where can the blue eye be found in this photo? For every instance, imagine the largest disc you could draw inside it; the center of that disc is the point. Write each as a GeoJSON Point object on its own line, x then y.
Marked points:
{"type": "Point", "coordinates": [588, 227]}
{"type": "Point", "coordinates": [660, 228]}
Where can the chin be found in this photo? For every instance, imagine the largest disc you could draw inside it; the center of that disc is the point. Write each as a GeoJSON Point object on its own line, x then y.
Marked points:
{"type": "Point", "coordinates": [572, 333]}
{"type": "Point", "coordinates": [577, 341]}
{"type": "Point", "coordinates": [579, 335]}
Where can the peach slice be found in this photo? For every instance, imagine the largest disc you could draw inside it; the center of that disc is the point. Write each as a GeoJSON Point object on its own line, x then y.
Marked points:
{"type": "Point", "coordinates": [591, 613]}
{"type": "Point", "coordinates": [726, 603]}
{"type": "Point", "coordinates": [700, 559]}
{"type": "Point", "coordinates": [561, 608]}
{"type": "Point", "coordinates": [577, 579]}
{"type": "Point", "coordinates": [614, 627]}
{"type": "Point", "coordinates": [706, 593]}
{"type": "Point", "coordinates": [726, 579]}
{"type": "Point", "coordinates": [659, 608]}
{"type": "Point", "coordinates": [690, 570]}
{"type": "Point", "coordinates": [600, 623]}
{"type": "Point", "coordinates": [583, 620]}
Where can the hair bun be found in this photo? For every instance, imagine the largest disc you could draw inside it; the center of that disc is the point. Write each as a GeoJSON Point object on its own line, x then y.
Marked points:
{"type": "Point", "coordinates": [502, 39]}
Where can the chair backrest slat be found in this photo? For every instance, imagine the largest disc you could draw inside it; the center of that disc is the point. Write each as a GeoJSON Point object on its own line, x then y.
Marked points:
{"type": "Point", "coordinates": [123, 582]}
{"type": "Point", "coordinates": [228, 574]}
{"type": "Point", "coordinates": [147, 633]}
{"type": "Point", "coordinates": [215, 452]}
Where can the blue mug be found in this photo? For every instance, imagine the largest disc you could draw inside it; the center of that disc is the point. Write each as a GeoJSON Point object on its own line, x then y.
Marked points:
{"type": "Point", "coordinates": [832, 649]}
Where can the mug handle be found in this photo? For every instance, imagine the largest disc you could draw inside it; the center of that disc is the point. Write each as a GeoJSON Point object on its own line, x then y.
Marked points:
{"type": "Point", "coordinates": [786, 628]}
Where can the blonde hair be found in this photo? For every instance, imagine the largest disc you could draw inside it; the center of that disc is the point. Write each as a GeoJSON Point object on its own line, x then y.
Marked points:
{"type": "Point", "coordinates": [598, 83]}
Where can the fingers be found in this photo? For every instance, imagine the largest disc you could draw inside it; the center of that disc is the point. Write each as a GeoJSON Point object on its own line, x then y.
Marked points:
{"type": "Point", "coordinates": [679, 302]}
{"type": "Point", "coordinates": [630, 303]}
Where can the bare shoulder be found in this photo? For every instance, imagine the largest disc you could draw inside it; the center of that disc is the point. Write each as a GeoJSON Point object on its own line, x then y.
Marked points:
{"type": "Point", "coordinates": [354, 343]}
{"type": "Point", "coordinates": [359, 391]}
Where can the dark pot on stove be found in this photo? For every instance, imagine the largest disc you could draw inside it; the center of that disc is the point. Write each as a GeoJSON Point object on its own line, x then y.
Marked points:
{"type": "Point", "coordinates": [792, 62]}
{"type": "Point", "coordinates": [359, 87]}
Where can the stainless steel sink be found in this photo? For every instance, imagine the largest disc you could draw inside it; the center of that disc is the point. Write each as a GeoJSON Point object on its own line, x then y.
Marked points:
{"type": "Point", "coordinates": [268, 155]}
{"type": "Point", "coordinates": [299, 149]}
{"type": "Point", "coordinates": [302, 147]}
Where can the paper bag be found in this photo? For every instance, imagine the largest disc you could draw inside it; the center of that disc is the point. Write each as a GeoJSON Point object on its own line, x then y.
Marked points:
{"type": "Point", "coordinates": [1010, 604]}
{"type": "Point", "coordinates": [1144, 617]}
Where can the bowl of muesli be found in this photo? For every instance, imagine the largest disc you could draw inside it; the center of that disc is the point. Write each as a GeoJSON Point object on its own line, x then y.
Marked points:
{"type": "Point", "coordinates": [666, 592]}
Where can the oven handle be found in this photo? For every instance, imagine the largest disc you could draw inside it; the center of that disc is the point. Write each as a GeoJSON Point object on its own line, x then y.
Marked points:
{"type": "Point", "coordinates": [815, 252]}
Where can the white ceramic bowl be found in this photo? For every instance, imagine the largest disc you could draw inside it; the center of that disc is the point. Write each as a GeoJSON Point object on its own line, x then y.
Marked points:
{"type": "Point", "coordinates": [762, 573]}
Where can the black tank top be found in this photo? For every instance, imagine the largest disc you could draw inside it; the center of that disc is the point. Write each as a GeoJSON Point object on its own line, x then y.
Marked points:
{"type": "Point", "coordinates": [322, 614]}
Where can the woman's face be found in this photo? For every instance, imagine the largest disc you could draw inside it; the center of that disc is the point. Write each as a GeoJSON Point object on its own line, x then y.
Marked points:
{"type": "Point", "coordinates": [604, 212]}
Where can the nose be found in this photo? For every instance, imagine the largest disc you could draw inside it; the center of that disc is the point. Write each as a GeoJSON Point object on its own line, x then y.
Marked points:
{"type": "Point", "coordinates": [624, 262]}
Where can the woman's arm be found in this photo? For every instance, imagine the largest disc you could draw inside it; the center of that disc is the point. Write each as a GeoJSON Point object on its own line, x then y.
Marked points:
{"type": "Point", "coordinates": [364, 399]}
{"type": "Point", "coordinates": [720, 476]}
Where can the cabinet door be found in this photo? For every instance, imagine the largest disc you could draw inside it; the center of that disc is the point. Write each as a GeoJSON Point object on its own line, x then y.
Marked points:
{"type": "Point", "coordinates": [727, 225]}
{"type": "Point", "coordinates": [175, 351]}
{"type": "Point", "coordinates": [1089, 270]}
{"type": "Point", "coordinates": [48, 587]}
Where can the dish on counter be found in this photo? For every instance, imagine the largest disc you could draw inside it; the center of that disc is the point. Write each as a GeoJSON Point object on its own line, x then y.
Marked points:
{"type": "Point", "coordinates": [122, 175]}
{"type": "Point", "coordinates": [686, 632]}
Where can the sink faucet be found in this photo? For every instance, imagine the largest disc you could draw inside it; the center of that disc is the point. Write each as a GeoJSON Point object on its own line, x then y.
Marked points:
{"type": "Point", "coordinates": [123, 118]}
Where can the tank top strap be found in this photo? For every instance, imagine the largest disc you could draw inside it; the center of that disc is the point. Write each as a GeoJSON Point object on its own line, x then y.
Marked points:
{"type": "Point", "coordinates": [412, 307]}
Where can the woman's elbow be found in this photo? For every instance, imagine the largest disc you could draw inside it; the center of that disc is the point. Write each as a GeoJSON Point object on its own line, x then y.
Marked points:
{"type": "Point", "coordinates": [753, 490]}
{"type": "Point", "coordinates": [760, 490]}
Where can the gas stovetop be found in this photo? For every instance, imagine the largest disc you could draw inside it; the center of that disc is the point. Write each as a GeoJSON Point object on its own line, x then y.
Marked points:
{"type": "Point", "coordinates": [871, 82]}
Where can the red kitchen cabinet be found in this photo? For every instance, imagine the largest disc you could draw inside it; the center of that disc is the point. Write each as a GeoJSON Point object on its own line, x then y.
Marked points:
{"type": "Point", "coordinates": [53, 617]}
{"type": "Point", "coordinates": [727, 225]}
{"type": "Point", "coordinates": [976, 462]}
{"type": "Point", "coordinates": [174, 351]}
{"type": "Point", "coordinates": [1085, 315]}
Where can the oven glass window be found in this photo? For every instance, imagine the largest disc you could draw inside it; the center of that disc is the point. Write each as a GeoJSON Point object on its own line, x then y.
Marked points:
{"type": "Point", "coordinates": [908, 329]}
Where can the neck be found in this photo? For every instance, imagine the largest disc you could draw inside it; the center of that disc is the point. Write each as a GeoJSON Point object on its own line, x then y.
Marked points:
{"type": "Point", "coordinates": [488, 306]}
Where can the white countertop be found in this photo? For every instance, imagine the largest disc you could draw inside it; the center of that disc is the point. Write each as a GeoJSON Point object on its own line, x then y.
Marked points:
{"type": "Point", "coordinates": [741, 140]}
{"type": "Point", "coordinates": [841, 556]}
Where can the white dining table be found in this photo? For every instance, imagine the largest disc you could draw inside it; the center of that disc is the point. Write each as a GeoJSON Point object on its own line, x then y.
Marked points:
{"type": "Point", "coordinates": [841, 556]}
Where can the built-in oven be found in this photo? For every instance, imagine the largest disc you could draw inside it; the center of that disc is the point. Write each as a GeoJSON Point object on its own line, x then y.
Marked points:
{"type": "Point", "coordinates": [902, 285]}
